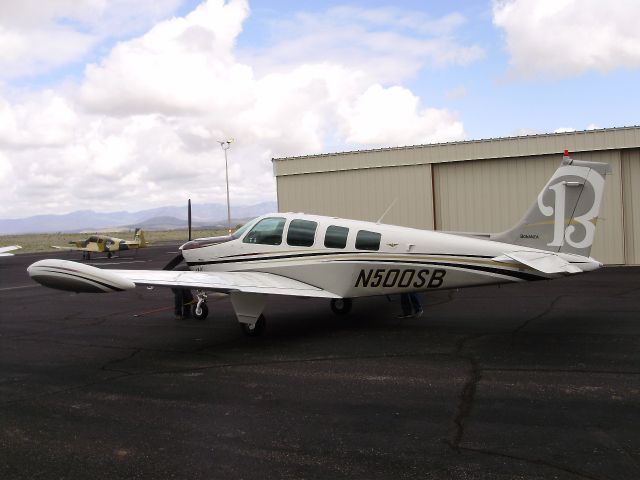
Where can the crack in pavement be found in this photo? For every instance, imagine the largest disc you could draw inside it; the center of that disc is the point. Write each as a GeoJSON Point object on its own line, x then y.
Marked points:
{"type": "Point", "coordinates": [624, 294]}
{"type": "Point", "coordinates": [526, 323]}
{"type": "Point", "coordinates": [468, 393]}
{"type": "Point", "coordinates": [535, 461]}
{"type": "Point", "coordinates": [105, 368]}
{"type": "Point", "coordinates": [474, 375]}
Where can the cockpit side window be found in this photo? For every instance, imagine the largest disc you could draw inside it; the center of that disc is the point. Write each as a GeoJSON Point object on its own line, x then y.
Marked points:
{"type": "Point", "coordinates": [267, 231]}
{"type": "Point", "coordinates": [336, 237]}
{"type": "Point", "coordinates": [366, 240]}
{"type": "Point", "coordinates": [301, 233]}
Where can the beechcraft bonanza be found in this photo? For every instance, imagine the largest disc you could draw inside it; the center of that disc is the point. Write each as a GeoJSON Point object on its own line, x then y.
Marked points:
{"type": "Point", "coordinates": [338, 259]}
{"type": "Point", "coordinates": [103, 243]}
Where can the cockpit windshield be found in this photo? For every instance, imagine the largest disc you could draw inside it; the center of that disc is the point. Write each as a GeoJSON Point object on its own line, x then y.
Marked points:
{"type": "Point", "coordinates": [239, 232]}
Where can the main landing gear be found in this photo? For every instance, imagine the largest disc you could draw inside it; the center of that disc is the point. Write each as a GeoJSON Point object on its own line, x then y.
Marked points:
{"type": "Point", "coordinates": [248, 308]}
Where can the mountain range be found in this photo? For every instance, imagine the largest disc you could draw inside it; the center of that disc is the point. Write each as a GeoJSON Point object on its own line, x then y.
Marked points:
{"type": "Point", "coordinates": [161, 218]}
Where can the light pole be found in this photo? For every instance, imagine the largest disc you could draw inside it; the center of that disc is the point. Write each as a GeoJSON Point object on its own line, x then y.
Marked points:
{"type": "Point", "coordinates": [226, 144]}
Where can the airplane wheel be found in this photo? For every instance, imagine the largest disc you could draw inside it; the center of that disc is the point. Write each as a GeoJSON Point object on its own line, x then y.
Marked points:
{"type": "Point", "coordinates": [341, 306]}
{"type": "Point", "coordinates": [255, 330]}
{"type": "Point", "coordinates": [204, 311]}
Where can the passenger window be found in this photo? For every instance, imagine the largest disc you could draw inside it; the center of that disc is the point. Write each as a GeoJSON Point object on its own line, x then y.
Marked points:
{"type": "Point", "coordinates": [368, 240]}
{"type": "Point", "coordinates": [267, 231]}
{"type": "Point", "coordinates": [336, 237]}
{"type": "Point", "coordinates": [301, 233]}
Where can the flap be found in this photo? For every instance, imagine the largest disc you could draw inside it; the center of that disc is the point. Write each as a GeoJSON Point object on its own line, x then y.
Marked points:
{"type": "Point", "coordinates": [248, 282]}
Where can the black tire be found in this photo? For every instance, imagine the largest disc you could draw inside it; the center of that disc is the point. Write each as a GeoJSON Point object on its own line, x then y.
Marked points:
{"type": "Point", "coordinates": [203, 313]}
{"type": "Point", "coordinates": [341, 306]}
{"type": "Point", "coordinates": [257, 330]}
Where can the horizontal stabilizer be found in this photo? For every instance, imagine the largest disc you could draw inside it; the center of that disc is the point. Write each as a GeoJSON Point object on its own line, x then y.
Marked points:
{"type": "Point", "coordinates": [545, 262]}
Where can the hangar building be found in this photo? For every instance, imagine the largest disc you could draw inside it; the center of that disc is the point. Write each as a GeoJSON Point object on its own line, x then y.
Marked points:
{"type": "Point", "coordinates": [469, 186]}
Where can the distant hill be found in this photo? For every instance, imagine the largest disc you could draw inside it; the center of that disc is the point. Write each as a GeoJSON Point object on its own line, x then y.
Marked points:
{"type": "Point", "coordinates": [162, 218]}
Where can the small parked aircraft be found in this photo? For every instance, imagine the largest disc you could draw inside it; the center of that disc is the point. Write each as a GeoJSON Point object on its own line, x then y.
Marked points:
{"type": "Point", "coordinates": [103, 243]}
{"type": "Point", "coordinates": [4, 250]}
{"type": "Point", "coordinates": [339, 259]}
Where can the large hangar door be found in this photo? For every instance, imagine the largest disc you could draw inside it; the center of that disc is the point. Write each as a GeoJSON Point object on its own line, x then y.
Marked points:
{"type": "Point", "coordinates": [488, 195]}
{"type": "Point", "coordinates": [630, 165]}
{"type": "Point", "coordinates": [363, 194]}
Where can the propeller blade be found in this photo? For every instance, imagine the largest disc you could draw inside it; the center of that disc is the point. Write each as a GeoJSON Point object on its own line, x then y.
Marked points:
{"type": "Point", "coordinates": [175, 261]}
{"type": "Point", "coordinates": [189, 217]}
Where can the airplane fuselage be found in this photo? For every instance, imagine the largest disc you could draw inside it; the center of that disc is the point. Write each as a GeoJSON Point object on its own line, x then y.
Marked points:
{"type": "Point", "coordinates": [352, 258]}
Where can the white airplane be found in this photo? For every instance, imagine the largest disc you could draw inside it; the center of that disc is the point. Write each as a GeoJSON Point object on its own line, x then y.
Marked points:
{"type": "Point", "coordinates": [315, 256]}
{"type": "Point", "coordinates": [4, 250]}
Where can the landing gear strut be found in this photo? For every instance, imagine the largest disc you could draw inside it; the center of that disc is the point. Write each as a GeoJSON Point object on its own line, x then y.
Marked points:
{"type": "Point", "coordinates": [341, 306]}
{"type": "Point", "coordinates": [199, 310]}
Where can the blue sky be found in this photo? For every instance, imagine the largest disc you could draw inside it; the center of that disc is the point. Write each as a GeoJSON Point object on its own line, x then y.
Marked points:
{"type": "Point", "coordinates": [125, 100]}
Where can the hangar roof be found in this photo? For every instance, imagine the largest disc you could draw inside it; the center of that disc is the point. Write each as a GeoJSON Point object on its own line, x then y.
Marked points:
{"type": "Point", "coordinates": [543, 144]}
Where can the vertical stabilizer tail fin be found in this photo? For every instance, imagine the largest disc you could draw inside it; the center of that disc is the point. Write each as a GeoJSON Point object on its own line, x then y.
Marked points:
{"type": "Point", "coordinates": [139, 237]}
{"type": "Point", "coordinates": [563, 218]}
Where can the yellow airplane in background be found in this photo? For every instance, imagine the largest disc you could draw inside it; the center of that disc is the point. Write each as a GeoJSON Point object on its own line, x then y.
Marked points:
{"type": "Point", "coordinates": [104, 243]}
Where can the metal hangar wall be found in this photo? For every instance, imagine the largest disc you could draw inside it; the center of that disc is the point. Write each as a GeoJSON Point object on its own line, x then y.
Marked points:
{"type": "Point", "coordinates": [472, 186]}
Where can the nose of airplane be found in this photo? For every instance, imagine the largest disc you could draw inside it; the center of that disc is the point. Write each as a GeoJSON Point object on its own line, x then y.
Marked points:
{"type": "Point", "coordinates": [205, 242]}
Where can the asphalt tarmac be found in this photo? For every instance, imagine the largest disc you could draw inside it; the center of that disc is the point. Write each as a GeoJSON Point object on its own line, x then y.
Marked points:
{"type": "Point", "coordinates": [538, 380]}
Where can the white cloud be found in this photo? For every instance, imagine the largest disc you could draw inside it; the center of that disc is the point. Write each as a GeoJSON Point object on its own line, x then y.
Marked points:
{"type": "Point", "coordinates": [32, 51]}
{"type": "Point", "coordinates": [456, 92]}
{"type": "Point", "coordinates": [388, 43]}
{"type": "Point", "coordinates": [183, 65]}
{"type": "Point", "coordinates": [523, 132]}
{"type": "Point", "coordinates": [591, 126]}
{"type": "Point", "coordinates": [38, 37]}
{"type": "Point", "coordinates": [393, 116]}
{"type": "Point", "coordinates": [141, 128]}
{"type": "Point", "coordinates": [44, 119]}
{"type": "Point", "coordinates": [559, 38]}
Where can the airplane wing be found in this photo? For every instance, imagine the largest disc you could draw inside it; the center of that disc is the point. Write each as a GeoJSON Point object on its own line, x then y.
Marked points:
{"type": "Point", "coordinates": [79, 277]}
{"type": "Point", "coordinates": [545, 262]}
{"type": "Point", "coordinates": [246, 282]}
{"type": "Point", "coordinates": [76, 249]}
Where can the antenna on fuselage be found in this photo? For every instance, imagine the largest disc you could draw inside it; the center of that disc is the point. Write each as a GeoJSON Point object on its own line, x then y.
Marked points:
{"type": "Point", "coordinates": [387, 210]}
